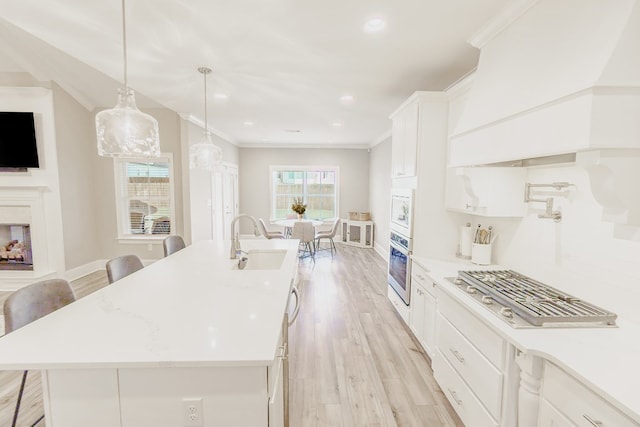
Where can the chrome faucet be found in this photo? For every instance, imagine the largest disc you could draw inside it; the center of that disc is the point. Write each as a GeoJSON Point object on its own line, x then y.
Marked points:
{"type": "Point", "coordinates": [236, 250]}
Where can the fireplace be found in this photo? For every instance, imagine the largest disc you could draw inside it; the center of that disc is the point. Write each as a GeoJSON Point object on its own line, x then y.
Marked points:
{"type": "Point", "coordinates": [15, 247]}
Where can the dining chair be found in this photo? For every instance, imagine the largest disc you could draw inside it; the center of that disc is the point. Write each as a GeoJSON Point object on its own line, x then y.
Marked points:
{"type": "Point", "coordinates": [172, 244]}
{"type": "Point", "coordinates": [269, 234]}
{"type": "Point", "coordinates": [304, 231]}
{"type": "Point", "coordinates": [29, 304]}
{"type": "Point", "coordinates": [330, 234]}
{"type": "Point", "coordinates": [120, 267]}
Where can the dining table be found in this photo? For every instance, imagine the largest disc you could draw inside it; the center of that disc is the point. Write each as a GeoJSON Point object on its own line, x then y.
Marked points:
{"type": "Point", "coordinates": [287, 224]}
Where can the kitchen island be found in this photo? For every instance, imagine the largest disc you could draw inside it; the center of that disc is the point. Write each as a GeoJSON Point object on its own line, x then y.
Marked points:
{"type": "Point", "coordinates": [191, 332]}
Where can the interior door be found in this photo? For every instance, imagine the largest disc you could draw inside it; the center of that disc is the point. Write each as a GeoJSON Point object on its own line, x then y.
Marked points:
{"type": "Point", "coordinates": [229, 197]}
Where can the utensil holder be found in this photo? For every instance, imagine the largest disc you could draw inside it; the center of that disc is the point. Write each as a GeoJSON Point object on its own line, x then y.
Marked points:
{"type": "Point", "coordinates": [481, 254]}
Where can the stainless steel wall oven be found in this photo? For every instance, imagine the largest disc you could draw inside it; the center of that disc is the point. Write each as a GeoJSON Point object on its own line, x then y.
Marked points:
{"type": "Point", "coordinates": [400, 265]}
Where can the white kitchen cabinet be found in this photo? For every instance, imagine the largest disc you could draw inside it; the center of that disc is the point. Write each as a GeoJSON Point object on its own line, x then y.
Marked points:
{"type": "Point", "coordinates": [423, 308]}
{"type": "Point", "coordinates": [469, 364]}
{"type": "Point", "coordinates": [576, 403]}
{"type": "Point", "coordinates": [486, 191]}
{"type": "Point", "coordinates": [357, 233]}
{"type": "Point", "coordinates": [404, 140]}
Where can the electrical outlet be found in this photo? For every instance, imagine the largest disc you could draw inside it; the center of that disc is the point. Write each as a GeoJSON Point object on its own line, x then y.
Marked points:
{"type": "Point", "coordinates": [192, 410]}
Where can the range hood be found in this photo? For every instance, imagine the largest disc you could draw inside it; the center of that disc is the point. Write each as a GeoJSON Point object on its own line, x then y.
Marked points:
{"type": "Point", "coordinates": [562, 77]}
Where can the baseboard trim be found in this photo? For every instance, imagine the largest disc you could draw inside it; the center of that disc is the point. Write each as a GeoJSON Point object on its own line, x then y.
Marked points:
{"type": "Point", "coordinates": [93, 266]}
{"type": "Point", "coordinates": [85, 269]}
{"type": "Point", "coordinates": [383, 252]}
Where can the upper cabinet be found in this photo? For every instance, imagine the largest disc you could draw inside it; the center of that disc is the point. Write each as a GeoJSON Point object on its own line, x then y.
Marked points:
{"type": "Point", "coordinates": [416, 124]}
{"type": "Point", "coordinates": [404, 139]}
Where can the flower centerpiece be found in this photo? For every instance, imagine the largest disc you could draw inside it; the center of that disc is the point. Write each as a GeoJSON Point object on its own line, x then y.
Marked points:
{"type": "Point", "coordinates": [298, 206]}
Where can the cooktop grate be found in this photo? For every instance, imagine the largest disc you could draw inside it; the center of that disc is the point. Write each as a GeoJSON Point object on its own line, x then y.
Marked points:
{"type": "Point", "coordinates": [535, 302]}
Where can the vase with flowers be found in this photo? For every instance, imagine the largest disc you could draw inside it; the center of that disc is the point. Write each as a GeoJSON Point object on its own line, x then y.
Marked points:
{"type": "Point", "coordinates": [298, 206]}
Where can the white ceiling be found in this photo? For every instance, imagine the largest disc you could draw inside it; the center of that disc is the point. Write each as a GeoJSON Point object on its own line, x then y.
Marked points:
{"type": "Point", "coordinates": [283, 63]}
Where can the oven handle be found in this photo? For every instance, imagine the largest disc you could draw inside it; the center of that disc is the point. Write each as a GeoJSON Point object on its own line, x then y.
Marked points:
{"type": "Point", "coordinates": [399, 248]}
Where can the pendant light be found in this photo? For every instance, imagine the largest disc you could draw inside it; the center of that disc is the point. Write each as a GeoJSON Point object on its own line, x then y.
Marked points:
{"type": "Point", "coordinates": [125, 131]}
{"type": "Point", "coordinates": [205, 154]}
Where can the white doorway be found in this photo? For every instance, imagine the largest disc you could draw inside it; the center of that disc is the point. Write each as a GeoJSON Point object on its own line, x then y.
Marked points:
{"type": "Point", "coordinates": [228, 198]}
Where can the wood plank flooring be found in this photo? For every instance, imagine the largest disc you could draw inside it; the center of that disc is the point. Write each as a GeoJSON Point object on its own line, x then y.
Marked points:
{"type": "Point", "coordinates": [353, 362]}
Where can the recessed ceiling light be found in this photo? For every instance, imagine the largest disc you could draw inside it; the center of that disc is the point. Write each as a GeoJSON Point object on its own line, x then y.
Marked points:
{"type": "Point", "coordinates": [345, 99]}
{"type": "Point", "coordinates": [336, 124]}
{"type": "Point", "coordinates": [374, 25]}
{"type": "Point", "coordinates": [220, 96]}
{"type": "Point", "coordinates": [248, 123]}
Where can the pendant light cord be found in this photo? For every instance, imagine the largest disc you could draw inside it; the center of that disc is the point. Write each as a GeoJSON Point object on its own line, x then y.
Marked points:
{"type": "Point", "coordinates": [206, 128]}
{"type": "Point", "coordinates": [124, 48]}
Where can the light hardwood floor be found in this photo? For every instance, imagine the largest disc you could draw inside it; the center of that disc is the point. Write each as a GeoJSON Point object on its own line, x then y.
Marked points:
{"type": "Point", "coordinates": [353, 362]}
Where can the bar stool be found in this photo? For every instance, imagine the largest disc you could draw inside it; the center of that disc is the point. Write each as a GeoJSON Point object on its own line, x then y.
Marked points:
{"type": "Point", "coordinates": [120, 267]}
{"type": "Point", "coordinates": [31, 303]}
{"type": "Point", "coordinates": [172, 244]}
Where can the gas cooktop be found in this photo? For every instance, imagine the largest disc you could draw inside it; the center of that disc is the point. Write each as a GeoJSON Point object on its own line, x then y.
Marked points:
{"type": "Point", "coordinates": [524, 302]}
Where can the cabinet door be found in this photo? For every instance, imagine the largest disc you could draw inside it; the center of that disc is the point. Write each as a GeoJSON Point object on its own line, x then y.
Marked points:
{"type": "Point", "coordinates": [410, 141]}
{"type": "Point", "coordinates": [355, 233]}
{"type": "Point", "coordinates": [429, 323]}
{"type": "Point", "coordinates": [397, 147]}
{"type": "Point", "coordinates": [551, 417]}
{"type": "Point", "coordinates": [417, 310]}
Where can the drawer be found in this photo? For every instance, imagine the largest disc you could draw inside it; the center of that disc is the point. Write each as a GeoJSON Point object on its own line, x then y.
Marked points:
{"type": "Point", "coordinates": [484, 379]}
{"type": "Point", "coordinates": [420, 275]}
{"type": "Point", "coordinates": [464, 402]}
{"type": "Point", "coordinates": [474, 330]}
{"type": "Point", "coordinates": [579, 404]}
{"type": "Point", "coordinates": [549, 416]}
{"type": "Point", "coordinates": [398, 304]}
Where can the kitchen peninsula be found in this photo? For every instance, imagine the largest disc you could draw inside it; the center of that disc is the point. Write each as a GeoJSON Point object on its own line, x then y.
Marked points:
{"type": "Point", "coordinates": [191, 330]}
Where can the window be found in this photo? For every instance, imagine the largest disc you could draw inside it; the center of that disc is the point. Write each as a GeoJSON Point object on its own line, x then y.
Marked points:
{"type": "Point", "coordinates": [144, 192]}
{"type": "Point", "coordinates": [317, 185]}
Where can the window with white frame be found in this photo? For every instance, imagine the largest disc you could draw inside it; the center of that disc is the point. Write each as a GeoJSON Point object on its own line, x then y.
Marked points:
{"type": "Point", "coordinates": [144, 192]}
{"type": "Point", "coordinates": [316, 185]}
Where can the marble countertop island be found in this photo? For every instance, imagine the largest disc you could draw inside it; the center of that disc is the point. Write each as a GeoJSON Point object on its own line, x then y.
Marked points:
{"type": "Point", "coordinates": [191, 309]}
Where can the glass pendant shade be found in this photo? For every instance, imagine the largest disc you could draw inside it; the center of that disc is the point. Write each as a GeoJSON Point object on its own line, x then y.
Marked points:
{"type": "Point", "coordinates": [205, 155]}
{"type": "Point", "coordinates": [125, 131]}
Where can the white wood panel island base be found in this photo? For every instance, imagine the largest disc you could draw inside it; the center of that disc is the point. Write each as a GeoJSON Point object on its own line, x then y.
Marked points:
{"type": "Point", "coordinates": [190, 326]}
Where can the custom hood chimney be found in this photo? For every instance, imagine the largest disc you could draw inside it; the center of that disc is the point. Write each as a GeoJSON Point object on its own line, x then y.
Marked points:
{"type": "Point", "coordinates": [563, 77]}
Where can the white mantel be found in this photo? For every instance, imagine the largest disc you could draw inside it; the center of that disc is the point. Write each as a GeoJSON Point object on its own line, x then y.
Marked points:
{"type": "Point", "coordinates": [34, 194]}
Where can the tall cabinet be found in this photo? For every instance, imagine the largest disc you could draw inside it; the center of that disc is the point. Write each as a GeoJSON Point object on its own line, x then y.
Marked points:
{"type": "Point", "coordinates": [418, 158]}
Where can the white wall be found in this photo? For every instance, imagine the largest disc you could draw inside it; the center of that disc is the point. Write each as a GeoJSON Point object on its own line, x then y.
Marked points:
{"type": "Point", "coordinates": [580, 254]}
{"type": "Point", "coordinates": [379, 193]}
{"type": "Point", "coordinates": [254, 180]}
{"type": "Point", "coordinates": [75, 144]}
{"type": "Point", "coordinates": [105, 206]}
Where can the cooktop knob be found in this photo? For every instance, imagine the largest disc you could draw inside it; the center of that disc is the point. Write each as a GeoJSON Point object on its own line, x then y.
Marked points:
{"type": "Point", "coordinates": [471, 290]}
{"type": "Point", "coordinates": [506, 312]}
{"type": "Point", "coordinates": [486, 299]}
{"type": "Point", "coordinates": [457, 281]}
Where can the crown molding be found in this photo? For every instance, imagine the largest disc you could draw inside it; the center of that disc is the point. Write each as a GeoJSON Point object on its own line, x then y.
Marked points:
{"type": "Point", "coordinates": [512, 11]}
{"type": "Point", "coordinates": [383, 137]}
{"type": "Point", "coordinates": [196, 121]}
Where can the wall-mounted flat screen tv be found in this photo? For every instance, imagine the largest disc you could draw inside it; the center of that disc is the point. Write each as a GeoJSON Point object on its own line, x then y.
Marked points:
{"type": "Point", "coordinates": [18, 147]}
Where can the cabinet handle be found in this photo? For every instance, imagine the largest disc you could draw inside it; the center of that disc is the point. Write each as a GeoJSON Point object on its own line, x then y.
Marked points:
{"type": "Point", "coordinates": [468, 206]}
{"type": "Point", "coordinates": [592, 421]}
{"type": "Point", "coordinates": [454, 396]}
{"type": "Point", "coordinates": [457, 354]}
{"type": "Point", "coordinates": [296, 310]}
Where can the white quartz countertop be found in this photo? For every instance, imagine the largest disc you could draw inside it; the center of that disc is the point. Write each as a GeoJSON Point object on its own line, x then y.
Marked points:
{"type": "Point", "coordinates": [605, 359]}
{"type": "Point", "coordinates": [190, 309]}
